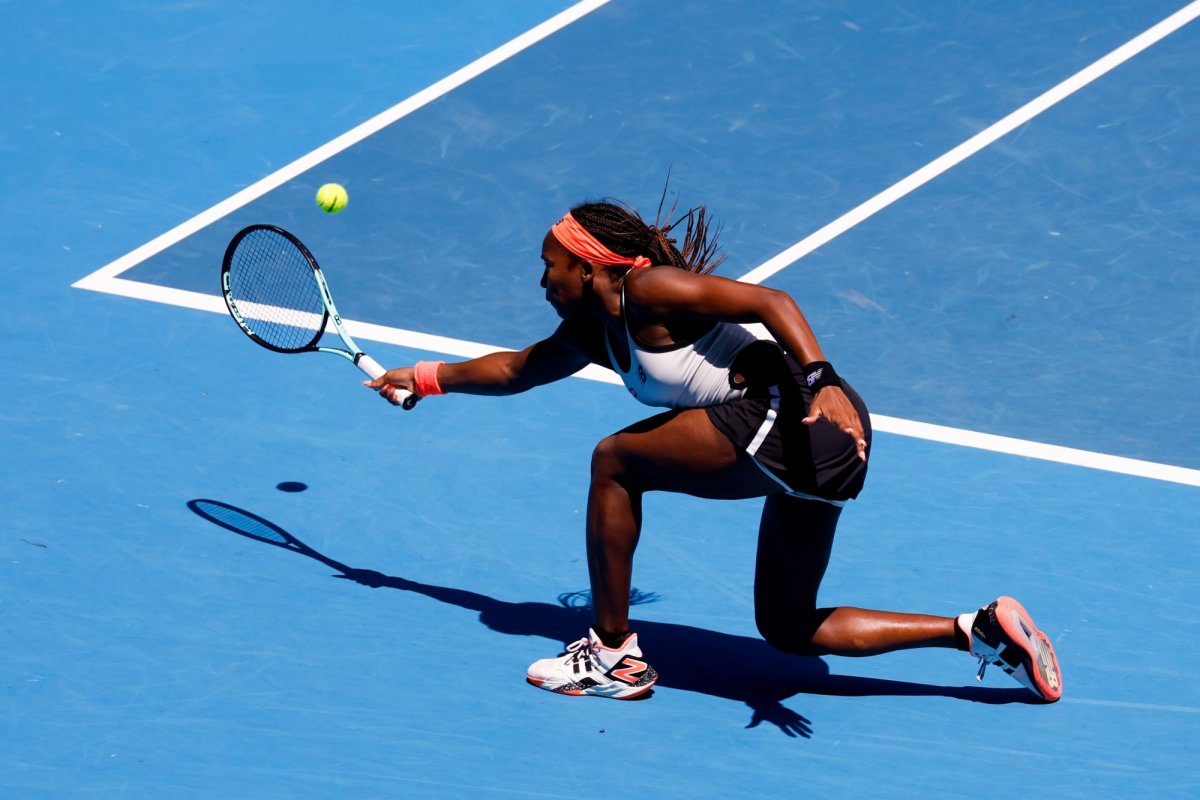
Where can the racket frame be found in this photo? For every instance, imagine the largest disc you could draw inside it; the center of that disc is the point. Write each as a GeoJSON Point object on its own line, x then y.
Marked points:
{"type": "Point", "coordinates": [353, 353]}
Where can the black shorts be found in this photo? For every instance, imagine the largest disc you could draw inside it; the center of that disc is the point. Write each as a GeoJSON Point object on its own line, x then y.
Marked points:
{"type": "Point", "coordinates": [815, 460]}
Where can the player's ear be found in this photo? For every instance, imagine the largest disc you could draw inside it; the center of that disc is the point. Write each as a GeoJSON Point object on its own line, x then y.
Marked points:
{"type": "Point", "coordinates": [586, 269]}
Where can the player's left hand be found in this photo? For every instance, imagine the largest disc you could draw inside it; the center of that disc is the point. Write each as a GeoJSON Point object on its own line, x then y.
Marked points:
{"type": "Point", "coordinates": [832, 404]}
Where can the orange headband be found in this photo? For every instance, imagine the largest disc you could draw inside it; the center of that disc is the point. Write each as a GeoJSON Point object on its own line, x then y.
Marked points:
{"type": "Point", "coordinates": [575, 238]}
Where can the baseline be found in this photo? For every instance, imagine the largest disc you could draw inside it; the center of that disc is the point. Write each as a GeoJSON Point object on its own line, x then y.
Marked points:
{"type": "Point", "coordinates": [416, 340]}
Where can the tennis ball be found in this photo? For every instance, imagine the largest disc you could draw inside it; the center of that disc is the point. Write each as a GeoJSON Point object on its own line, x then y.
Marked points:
{"type": "Point", "coordinates": [332, 198]}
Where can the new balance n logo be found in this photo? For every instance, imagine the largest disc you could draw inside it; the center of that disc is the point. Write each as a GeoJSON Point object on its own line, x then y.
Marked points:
{"type": "Point", "coordinates": [628, 669]}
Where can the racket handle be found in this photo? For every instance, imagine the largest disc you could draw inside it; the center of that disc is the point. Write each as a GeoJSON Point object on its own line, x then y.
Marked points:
{"type": "Point", "coordinates": [374, 370]}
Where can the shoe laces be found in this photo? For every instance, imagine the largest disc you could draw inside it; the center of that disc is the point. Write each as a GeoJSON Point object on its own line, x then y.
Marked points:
{"type": "Point", "coordinates": [985, 659]}
{"type": "Point", "coordinates": [581, 650]}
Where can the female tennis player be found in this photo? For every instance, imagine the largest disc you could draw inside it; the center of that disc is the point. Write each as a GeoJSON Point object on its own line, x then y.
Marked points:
{"type": "Point", "coordinates": [755, 410]}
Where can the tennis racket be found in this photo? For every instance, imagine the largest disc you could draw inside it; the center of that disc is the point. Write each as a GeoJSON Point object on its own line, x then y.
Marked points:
{"type": "Point", "coordinates": [275, 291]}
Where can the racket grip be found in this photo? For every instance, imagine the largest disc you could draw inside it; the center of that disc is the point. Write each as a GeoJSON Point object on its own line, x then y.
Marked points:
{"type": "Point", "coordinates": [374, 370]}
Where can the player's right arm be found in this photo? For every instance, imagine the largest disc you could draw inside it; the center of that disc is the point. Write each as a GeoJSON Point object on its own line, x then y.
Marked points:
{"type": "Point", "coordinates": [569, 349]}
{"type": "Point", "coordinates": [562, 354]}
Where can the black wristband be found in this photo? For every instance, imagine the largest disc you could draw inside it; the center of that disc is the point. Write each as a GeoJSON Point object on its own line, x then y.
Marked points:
{"type": "Point", "coordinates": [820, 374]}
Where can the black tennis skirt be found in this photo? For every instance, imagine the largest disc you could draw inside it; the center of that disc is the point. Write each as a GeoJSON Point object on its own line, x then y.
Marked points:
{"type": "Point", "coordinates": [815, 460]}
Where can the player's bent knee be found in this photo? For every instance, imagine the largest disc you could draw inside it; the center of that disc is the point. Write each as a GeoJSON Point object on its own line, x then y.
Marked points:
{"type": "Point", "coordinates": [791, 644]}
{"type": "Point", "coordinates": [608, 459]}
{"type": "Point", "coordinates": [793, 636]}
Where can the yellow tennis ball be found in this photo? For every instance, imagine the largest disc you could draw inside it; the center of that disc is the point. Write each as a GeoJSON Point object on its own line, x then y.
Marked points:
{"type": "Point", "coordinates": [332, 198]}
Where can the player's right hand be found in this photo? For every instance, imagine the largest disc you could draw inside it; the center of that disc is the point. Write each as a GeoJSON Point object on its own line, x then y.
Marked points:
{"type": "Point", "coordinates": [389, 382]}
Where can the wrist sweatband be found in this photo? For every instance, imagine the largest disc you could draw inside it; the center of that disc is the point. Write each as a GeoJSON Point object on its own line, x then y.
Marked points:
{"type": "Point", "coordinates": [425, 378]}
{"type": "Point", "coordinates": [820, 374]}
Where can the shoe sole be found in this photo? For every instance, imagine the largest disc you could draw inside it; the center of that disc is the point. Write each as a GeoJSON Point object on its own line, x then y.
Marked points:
{"type": "Point", "coordinates": [1018, 625]}
{"type": "Point", "coordinates": [632, 693]}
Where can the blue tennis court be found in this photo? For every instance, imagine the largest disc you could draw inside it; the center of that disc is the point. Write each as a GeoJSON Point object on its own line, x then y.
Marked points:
{"type": "Point", "coordinates": [987, 212]}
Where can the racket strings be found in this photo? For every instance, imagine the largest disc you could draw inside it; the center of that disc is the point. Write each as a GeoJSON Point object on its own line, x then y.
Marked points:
{"type": "Point", "coordinates": [275, 290]}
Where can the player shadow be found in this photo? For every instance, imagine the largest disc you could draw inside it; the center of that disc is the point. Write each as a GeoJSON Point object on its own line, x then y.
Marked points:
{"type": "Point", "coordinates": [739, 668]}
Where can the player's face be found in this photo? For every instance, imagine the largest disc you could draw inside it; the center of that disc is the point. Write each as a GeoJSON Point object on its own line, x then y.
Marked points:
{"type": "Point", "coordinates": [562, 277]}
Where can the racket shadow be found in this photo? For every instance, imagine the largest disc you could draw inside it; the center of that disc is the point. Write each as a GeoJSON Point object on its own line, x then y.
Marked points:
{"type": "Point", "coordinates": [738, 668]}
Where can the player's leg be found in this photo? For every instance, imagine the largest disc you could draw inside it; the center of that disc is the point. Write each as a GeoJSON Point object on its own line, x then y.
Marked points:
{"type": "Point", "coordinates": [795, 539]}
{"type": "Point", "coordinates": [679, 452]}
{"type": "Point", "coordinates": [676, 452]}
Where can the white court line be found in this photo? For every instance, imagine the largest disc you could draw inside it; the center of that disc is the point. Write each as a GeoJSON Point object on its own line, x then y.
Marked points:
{"type": "Point", "coordinates": [1043, 452]}
{"type": "Point", "coordinates": [973, 145]}
{"type": "Point", "coordinates": [1138, 706]}
{"type": "Point", "coordinates": [366, 331]}
{"type": "Point", "coordinates": [106, 280]}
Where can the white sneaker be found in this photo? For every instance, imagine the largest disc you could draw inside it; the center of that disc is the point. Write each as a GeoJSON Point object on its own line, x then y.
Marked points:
{"type": "Point", "coordinates": [1003, 633]}
{"type": "Point", "coordinates": [588, 667]}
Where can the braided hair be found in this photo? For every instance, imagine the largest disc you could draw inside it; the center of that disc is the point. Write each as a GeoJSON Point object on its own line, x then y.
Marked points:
{"type": "Point", "coordinates": [621, 229]}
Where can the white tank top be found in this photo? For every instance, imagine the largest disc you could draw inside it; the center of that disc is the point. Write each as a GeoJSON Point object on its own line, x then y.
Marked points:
{"type": "Point", "coordinates": [686, 375]}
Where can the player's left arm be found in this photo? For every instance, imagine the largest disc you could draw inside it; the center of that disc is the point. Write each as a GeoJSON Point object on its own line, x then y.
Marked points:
{"type": "Point", "coordinates": [671, 294]}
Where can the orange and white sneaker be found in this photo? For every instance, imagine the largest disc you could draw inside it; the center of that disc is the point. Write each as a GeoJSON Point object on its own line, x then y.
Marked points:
{"type": "Point", "coordinates": [590, 668]}
{"type": "Point", "coordinates": [1003, 633]}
